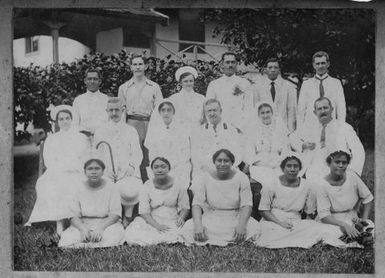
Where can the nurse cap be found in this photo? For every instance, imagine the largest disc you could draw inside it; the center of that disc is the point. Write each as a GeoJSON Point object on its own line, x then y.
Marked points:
{"type": "Point", "coordinates": [55, 110]}
{"type": "Point", "coordinates": [185, 69]}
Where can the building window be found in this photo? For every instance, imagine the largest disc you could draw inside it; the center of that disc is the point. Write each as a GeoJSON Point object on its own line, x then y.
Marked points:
{"type": "Point", "coordinates": [31, 44]}
{"type": "Point", "coordinates": [132, 38]}
{"type": "Point", "coordinates": [191, 28]}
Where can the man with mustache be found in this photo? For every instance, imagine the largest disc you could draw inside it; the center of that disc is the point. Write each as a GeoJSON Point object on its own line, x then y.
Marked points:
{"type": "Point", "coordinates": [326, 136]}
{"type": "Point", "coordinates": [140, 96]}
{"type": "Point", "coordinates": [90, 106]}
{"type": "Point", "coordinates": [233, 93]}
{"type": "Point", "coordinates": [321, 85]}
{"type": "Point", "coordinates": [211, 136]}
{"type": "Point", "coordinates": [127, 156]}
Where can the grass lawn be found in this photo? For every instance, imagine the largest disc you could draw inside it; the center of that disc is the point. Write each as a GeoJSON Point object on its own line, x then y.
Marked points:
{"type": "Point", "coordinates": [35, 250]}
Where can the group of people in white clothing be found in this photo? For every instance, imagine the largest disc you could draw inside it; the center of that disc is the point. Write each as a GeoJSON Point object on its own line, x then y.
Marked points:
{"type": "Point", "coordinates": [200, 155]}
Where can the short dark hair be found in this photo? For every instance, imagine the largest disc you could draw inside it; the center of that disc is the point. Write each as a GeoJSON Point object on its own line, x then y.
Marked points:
{"type": "Point", "coordinates": [273, 60]}
{"type": "Point", "coordinates": [98, 161]}
{"type": "Point", "coordinates": [320, 54]}
{"type": "Point", "coordinates": [166, 103]}
{"type": "Point", "coordinates": [98, 71]}
{"type": "Point", "coordinates": [161, 159]}
{"type": "Point", "coordinates": [321, 99]}
{"type": "Point", "coordinates": [229, 53]}
{"type": "Point", "coordinates": [265, 105]}
{"type": "Point", "coordinates": [336, 154]}
{"type": "Point", "coordinates": [63, 111]}
{"type": "Point", "coordinates": [287, 159]}
{"type": "Point", "coordinates": [134, 56]}
{"type": "Point", "coordinates": [211, 101]}
{"type": "Point", "coordinates": [226, 152]}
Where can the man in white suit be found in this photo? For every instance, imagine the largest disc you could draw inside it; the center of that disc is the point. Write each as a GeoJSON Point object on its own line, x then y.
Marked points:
{"type": "Point", "coordinates": [326, 136]}
{"type": "Point", "coordinates": [321, 85]}
{"type": "Point", "coordinates": [274, 89]}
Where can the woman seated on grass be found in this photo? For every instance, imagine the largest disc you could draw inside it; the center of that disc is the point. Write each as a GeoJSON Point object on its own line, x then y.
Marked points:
{"type": "Point", "coordinates": [163, 207]}
{"type": "Point", "coordinates": [281, 205]}
{"type": "Point", "coordinates": [226, 196]}
{"type": "Point", "coordinates": [63, 154]}
{"type": "Point", "coordinates": [339, 197]}
{"type": "Point", "coordinates": [96, 212]}
{"type": "Point", "coordinates": [267, 140]}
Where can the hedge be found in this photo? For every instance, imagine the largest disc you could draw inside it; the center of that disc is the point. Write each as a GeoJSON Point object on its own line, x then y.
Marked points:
{"type": "Point", "coordinates": [35, 88]}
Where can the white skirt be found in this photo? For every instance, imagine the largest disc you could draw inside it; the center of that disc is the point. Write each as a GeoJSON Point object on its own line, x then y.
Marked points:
{"type": "Point", "coordinates": [113, 235]}
{"type": "Point", "coordinates": [332, 233]}
{"type": "Point", "coordinates": [304, 234]}
{"type": "Point", "coordinates": [220, 228]}
{"type": "Point", "coordinates": [141, 233]}
{"type": "Point", "coordinates": [54, 193]}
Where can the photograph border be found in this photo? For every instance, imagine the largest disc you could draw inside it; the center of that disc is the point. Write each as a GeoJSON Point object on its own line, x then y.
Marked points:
{"type": "Point", "coordinates": [6, 121]}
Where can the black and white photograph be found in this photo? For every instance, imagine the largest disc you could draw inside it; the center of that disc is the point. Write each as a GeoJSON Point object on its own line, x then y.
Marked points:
{"type": "Point", "coordinates": [194, 139]}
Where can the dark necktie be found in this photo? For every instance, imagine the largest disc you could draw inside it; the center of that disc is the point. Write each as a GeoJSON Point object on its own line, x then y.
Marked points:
{"type": "Point", "coordinates": [272, 90]}
{"type": "Point", "coordinates": [323, 136]}
{"type": "Point", "coordinates": [321, 86]}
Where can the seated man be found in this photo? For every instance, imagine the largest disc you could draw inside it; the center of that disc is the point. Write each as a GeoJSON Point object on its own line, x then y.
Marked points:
{"type": "Point", "coordinates": [211, 136]}
{"type": "Point", "coordinates": [317, 141]}
{"type": "Point", "coordinates": [122, 166]}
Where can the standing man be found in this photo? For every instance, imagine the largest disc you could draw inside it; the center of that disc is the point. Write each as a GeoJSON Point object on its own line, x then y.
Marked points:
{"type": "Point", "coordinates": [90, 106]}
{"type": "Point", "coordinates": [233, 93]}
{"type": "Point", "coordinates": [140, 96]}
{"type": "Point", "coordinates": [326, 136]}
{"type": "Point", "coordinates": [274, 89]}
{"type": "Point", "coordinates": [321, 85]}
{"type": "Point", "coordinates": [126, 156]}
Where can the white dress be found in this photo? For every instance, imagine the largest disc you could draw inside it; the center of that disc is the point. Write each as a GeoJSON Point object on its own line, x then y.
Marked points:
{"type": "Point", "coordinates": [221, 201]}
{"type": "Point", "coordinates": [286, 203]}
{"type": "Point", "coordinates": [266, 146]}
{"type": "Point", "coordinates": [92, 205]}
{"type": "Point", "coordinates": [188, 108]}
{"type": "Point", "coordinates": [172, 143]}
{"type": "Point", "coordinates": [63, 154]}
{"type": "Point", "coordinates": [339, 201]}
{"type": "Point", "coordinates": [164, 207]}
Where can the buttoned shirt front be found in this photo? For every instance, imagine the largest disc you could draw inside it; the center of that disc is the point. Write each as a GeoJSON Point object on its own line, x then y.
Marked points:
{"type": "Point", "coordinates": [236, 108]}
{"type": "Point", "coordinates": [206, 141]}
{"type": "Point", "coordinates": [140, 100]}
{"type": "Point", "coordinates": [310, 92]}
{"type": "Point", "coordinates": [124, 142]}
{"type": "Point", "coordinates": [90, 109]}
{"type": "Point", "coordinates": [285, 99]}
{"type": "Point", "coordinates": [338, 136]}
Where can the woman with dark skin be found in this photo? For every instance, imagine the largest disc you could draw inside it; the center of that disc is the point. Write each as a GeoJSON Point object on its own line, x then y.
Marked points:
{"type": "Point", "coordinates": [227, 193]}
{"type": "Point", "coordinates": [339, 197]}
{"type": "Point", "coordinates": [281, 205]}
{"type": "Point", "coordinates": [96, 212]}
{"type": "Point", "coordinates": [163, 208]}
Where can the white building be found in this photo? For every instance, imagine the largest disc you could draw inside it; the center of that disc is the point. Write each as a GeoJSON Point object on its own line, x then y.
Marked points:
{"type": "Point", "coordinates": [37, 50]}
{"type": "Point", "coordinates": [176, 32]}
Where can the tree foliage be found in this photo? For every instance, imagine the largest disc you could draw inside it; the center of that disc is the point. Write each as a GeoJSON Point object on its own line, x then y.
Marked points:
{"type": "Point", "coordinates": [36, 88]}
{"type": "Point", "coordinates": [294, 35]}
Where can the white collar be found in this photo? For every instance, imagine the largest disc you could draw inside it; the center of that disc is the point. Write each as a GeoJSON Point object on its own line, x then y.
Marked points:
{"type": "Point", "coordinates": [183, 91]}
{"type": "Point", "coordinates": [326, 75]}
{"type": "Point", "coordinates": [93, 93]}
